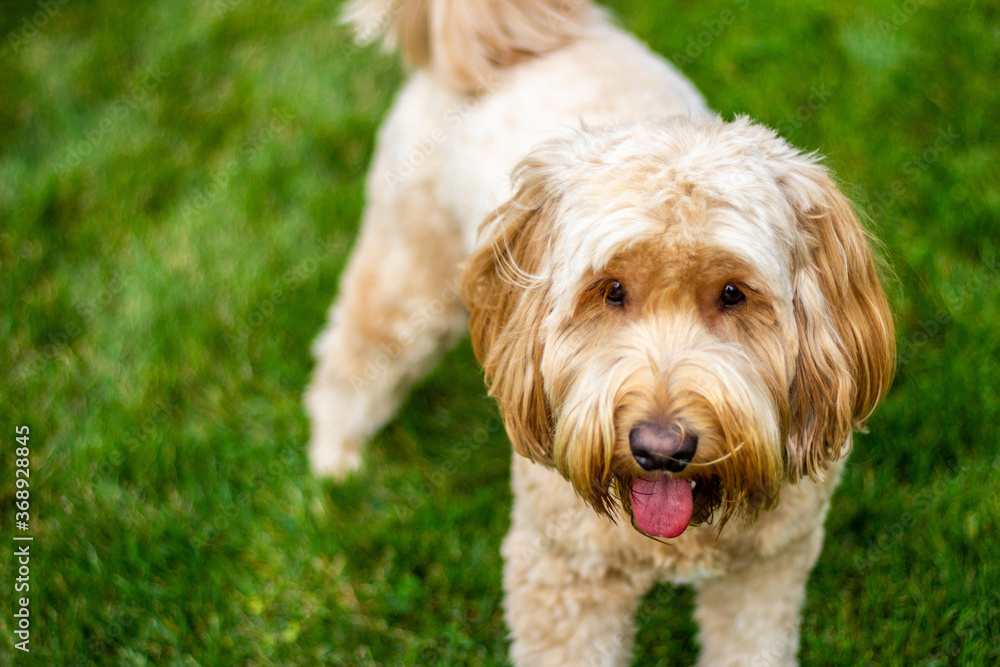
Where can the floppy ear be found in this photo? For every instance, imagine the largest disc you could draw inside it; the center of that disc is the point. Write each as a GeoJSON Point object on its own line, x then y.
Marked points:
{"type": "Point", "coordinates": [847, 347]}
{"type": "Point", "coordinates": [508, 300]}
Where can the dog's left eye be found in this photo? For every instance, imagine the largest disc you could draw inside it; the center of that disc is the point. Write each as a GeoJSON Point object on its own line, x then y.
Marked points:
{"type": "Point", "coordinates": [615, 294]}
{"type": "Point", "coordinates": [731, 296]}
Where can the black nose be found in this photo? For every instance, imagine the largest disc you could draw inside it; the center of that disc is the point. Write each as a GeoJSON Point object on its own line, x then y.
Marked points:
{"type": "Point", "coordinates": [662, 446]}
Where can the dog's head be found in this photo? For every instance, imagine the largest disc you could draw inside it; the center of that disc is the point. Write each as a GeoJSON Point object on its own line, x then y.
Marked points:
{"type": "Point", "coordinates": [680, 317]}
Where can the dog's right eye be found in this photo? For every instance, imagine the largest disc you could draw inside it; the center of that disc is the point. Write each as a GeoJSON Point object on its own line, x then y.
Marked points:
{"type": "Point", "coordinates": [615, 294]}
{"type": "Point", "coordinates": [731, 296]}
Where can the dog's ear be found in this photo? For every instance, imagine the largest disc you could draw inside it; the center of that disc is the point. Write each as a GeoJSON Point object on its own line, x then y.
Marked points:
{"type": "Point", "coordinates": [507, 294]}
{"type": "Point", "coordinates": [847, 348]}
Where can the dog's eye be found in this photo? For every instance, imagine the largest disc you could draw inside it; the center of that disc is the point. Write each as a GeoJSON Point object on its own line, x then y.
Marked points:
{"type": "Point", "coordinates": [615, 294]}
{"type": "Point", "coordinates": [731, 296]}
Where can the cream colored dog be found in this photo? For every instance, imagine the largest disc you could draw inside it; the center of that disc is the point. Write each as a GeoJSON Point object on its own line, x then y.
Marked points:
{"type": "Point", "coordinates": [680, 318]}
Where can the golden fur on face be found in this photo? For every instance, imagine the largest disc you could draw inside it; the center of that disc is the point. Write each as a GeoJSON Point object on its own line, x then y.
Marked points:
{"type": "Point", "coordinates": [674, 212]}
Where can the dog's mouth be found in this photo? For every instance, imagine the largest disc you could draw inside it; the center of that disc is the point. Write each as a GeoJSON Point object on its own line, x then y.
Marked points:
{"type": "Point", "coordinates": [666, 506]}
{"type": "Point", "coordinates": [662, 507]}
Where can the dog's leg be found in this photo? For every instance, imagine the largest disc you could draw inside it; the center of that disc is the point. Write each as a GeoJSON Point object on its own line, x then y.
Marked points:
{"type": "Point", "coordinates": [565, 613]}
{"type": "Point", "coordinates": [751, 617]}
{"type": "Point", "coordinates": [398, 309]}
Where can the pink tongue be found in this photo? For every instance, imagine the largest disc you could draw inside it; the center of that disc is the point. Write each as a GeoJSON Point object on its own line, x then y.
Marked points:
{"type": "Point", "coordinates": [663, 507]}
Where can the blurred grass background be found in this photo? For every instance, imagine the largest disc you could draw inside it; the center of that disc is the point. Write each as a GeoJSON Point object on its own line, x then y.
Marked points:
{"type": "Point", "coordinates": [180, 184]}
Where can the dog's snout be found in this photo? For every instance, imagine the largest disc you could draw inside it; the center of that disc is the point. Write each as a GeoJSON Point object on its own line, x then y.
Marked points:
{"type": "Point", "coordinates": [662, 446]}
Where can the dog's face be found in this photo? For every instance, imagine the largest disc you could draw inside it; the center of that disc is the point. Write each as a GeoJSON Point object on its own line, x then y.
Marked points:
{"type": "Point", "coordinates": [680, 317]}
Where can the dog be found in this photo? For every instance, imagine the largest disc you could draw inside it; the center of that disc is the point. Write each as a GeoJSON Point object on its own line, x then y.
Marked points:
{"type": "Point", "coordinates": [681, 319]}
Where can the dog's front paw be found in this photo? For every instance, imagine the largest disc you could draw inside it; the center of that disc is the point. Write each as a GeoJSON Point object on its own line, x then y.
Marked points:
{"type": "Point", "coordinates": [332, 458]}
{"type": "Point", "coordinates": [334, 448]}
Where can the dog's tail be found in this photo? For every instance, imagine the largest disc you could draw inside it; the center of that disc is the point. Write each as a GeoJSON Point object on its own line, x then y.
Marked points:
{"type": "Point", "coordinates": [466, 42]}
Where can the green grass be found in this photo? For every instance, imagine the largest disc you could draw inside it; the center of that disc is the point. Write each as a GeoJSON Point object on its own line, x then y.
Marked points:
{"type": "Point", "coordinates": [180, 185]}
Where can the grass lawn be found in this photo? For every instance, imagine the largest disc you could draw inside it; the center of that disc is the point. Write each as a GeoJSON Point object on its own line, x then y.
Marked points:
{"type": "Point", "coordinates": [180, 184]}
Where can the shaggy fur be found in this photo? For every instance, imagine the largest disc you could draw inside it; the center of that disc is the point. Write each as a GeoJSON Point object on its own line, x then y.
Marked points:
{"type": "Point", "coordinates": [650, 274]}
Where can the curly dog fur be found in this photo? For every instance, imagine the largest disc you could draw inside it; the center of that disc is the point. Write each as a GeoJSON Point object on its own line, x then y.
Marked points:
{"type": "Point", "coordinates": [680, 318]}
